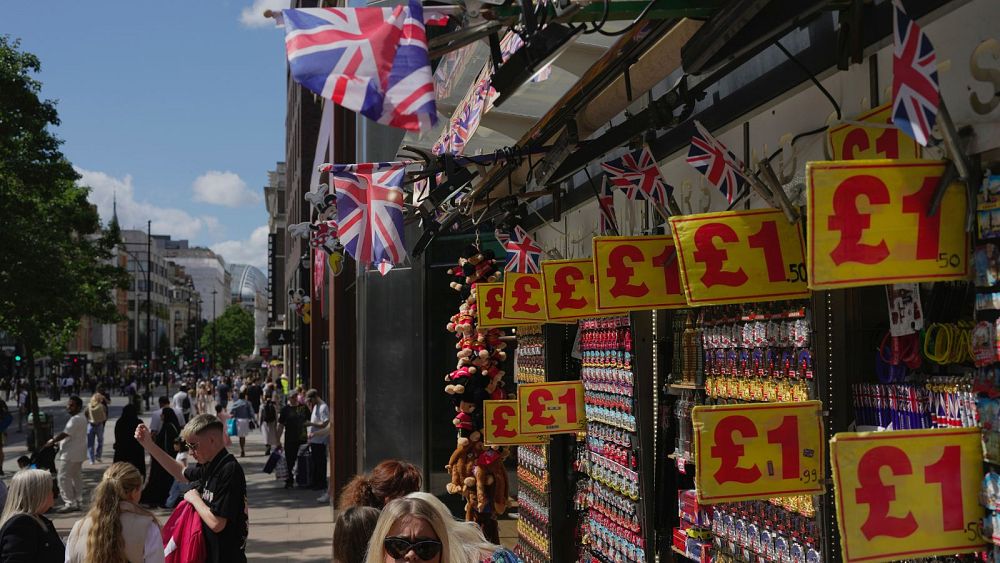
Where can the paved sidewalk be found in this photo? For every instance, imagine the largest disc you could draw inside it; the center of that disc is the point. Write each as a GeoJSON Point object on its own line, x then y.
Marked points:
{"type": "Point", "coordinates": [285, 525]}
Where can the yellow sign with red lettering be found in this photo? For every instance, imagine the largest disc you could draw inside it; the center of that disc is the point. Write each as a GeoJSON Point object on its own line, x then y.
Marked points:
{"type": "Point", "coordinates": [637, 273]}
{"type": "Point", "coordinates": [868, 224]}
{"type": "Point", "coordinates": [908, 494]}
{"type": "Point", "coordinates": [524, 297]}
{"type": "Point", "coordinates": [501, 427]}
{"type": "Point", "coordinates": [554, 407]}
{"type": "Point", "coordinates": [489, 306]}
{"type": "Point", "coordinates": [758, 450]}
{"type": "Point", "coordinates": [851, 141]}
{"type": "Point", "coordinates": [740, 256]}
{"type": "Point", "coordinates": [569, 289]}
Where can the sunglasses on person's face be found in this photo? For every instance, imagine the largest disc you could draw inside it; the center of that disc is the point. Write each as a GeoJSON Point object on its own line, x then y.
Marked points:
{"type": "Point", "coordinates": [424, 548]}
{"type": "Point", "coordinates": [193, 447]}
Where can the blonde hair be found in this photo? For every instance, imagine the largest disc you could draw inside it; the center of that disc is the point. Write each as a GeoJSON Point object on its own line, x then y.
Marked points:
{"type": "Point", "coordinates": [29, 489]}
{"type": "Point", "coordinates": [96, 399]}
{"type": "Point", "coordinates": [199, 424]}
{"type": "Point", "coordinates": [105, 542]}
{"type": "Point", "coordinates": [416, 507]}
{"type": "Point", "coordinates": [466, 536]}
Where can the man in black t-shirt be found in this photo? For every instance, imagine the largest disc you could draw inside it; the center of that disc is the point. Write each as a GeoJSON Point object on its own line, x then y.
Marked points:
{"type": "Point", "coordinates": [293, 419]}
{"type": "Point", "coordinates": [219, 494]}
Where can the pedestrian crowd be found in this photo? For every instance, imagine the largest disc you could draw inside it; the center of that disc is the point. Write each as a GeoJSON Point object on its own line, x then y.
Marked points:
{"type": "Point", "coordinates": [190, 469]}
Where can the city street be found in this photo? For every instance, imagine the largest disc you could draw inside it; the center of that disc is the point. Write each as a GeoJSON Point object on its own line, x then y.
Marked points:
{"type": "Point", "coordinates": [285, 525]}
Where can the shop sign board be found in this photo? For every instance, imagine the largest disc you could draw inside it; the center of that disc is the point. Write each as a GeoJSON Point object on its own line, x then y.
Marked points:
{"type": "Point", "coordinates": [636, 273]}
{"type": "Point", "coordinates": [569, 289]}
{"type": "Point", "coordinates": [501, 427]}
{"type": "Point", "coordinates": [740, 257]}
{"type": "Point", "coordinates": [553, 407]}
{"type": "Point", "coordinates": [868, 224]}
{"type": "Point", "coordinates": [524, 297]}
{"type": "Point", "coordinates": [489, 306]}
{"type": "Point", "coordinates": [758, 450]}
{"type": "Point", "coordinates": [854, 141]}
{"type": "Point", "coordinates": [908, 494]}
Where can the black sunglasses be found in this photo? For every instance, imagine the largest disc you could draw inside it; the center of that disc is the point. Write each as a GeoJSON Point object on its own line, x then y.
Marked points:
{"type": "Point", "coordinates": [425, 549]}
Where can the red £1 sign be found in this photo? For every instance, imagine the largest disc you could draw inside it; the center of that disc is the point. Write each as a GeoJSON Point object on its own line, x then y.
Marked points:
{"type": "Point", "coordinates": [636, 273]}
{"type": "Point", "coordinates": [869, 224]}
{"type": "Point", "coordinates": [554, 407]}
{"type": "Point", "coordinates": [524, 297]}
{"type": "Point", "coordinates": [569, 289]}
{"type": "Point", "coordinates": [852, 141]}
{"type": "Point", "coordinates": [501, 426]}
{"type": "Point", "coordinates": [740, 256]}
{"type": "Point", "coordinates": [759, 450]}
{"type": "Point", "coordinates": [907, 494]}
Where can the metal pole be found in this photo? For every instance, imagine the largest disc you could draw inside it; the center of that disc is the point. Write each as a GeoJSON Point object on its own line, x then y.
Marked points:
{"type": "Point", "coordinates": [214, 319]}
{"type": "Point", "coordinates": [149, 303]}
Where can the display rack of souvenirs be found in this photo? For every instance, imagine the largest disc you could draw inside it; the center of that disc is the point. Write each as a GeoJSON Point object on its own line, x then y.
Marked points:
{"type": "Point", "coordinates": [613, 521]}
{"type": "Point", "coordinates": [730, 355]}
{"type": "Point", "coordinates": [534, 529]}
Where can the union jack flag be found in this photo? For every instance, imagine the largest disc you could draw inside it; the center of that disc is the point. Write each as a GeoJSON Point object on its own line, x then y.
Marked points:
{"type": "Point", "coordinates": [370, 60]}
{"type": "Point", "coordinates": [915, 94]}
{"type": "Point", "coordinates": [370, 211]}
{"type": "Point", "coordinates": [638, 174]}
{"type": "Point", "coordinates": [523, 253]}
{"type": "Point", "coordinates": [606, 201]}
{"type": "Point", "coordinates": [719, 165]}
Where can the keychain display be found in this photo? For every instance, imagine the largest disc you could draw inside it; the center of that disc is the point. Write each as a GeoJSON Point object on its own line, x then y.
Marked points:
{"type": "Point", "coordinates": [611, 498]}
{"type": "Point", "coordinates": [762, 531]}
{"type": "Point", "coordinates": [534, 530]}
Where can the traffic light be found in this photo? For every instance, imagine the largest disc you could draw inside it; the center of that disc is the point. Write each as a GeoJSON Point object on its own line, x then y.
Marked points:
{"type": "Point", "coordinates": [17, 357]}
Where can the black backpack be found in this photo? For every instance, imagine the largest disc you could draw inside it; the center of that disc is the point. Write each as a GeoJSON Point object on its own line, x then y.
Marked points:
{"type": "Point", "coordinates": [186, 404]}
{"type": "Point", "coordinates": [270, 413]}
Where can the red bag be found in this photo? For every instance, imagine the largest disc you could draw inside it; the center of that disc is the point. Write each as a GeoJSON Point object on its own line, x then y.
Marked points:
{"type": "Point", "coordinates": [182, 539]}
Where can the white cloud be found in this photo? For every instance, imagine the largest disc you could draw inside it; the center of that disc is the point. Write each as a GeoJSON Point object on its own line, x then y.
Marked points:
{"type": "Point", "coordinates": [253, 16]}
{"type": "Point", "coordinates": [251, 251]}
{"type": "Point", "coordinates": [223, 188]}
{"type": "Point", "coordinates": [177, 223]}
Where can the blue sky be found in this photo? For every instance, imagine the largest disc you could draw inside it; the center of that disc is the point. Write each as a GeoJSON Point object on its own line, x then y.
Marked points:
{"type": "Point", "coordinates": [178, 107]}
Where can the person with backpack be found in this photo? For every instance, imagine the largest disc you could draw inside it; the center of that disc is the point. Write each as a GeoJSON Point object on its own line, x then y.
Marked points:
{"type": "Point", "coordinates": [181, 403]}
{"type": "Point", "coordinates": [268, 419]}
{"type": "Point", "coordinates": [293, 419]}
{"type": "Point", "coordinates": [97, 415]}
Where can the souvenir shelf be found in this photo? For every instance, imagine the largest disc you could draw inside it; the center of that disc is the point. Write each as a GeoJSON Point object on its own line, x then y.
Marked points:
{"type": "Point", "coordinates": [615, 517]}
{"type": "Point", "coordinates": [534, 528]}
{"type": "Point", "coordinates": [730, 355]}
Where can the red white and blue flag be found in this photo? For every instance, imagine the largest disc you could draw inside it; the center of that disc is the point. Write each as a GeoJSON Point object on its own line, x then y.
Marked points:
{"type": "Point", "coordinates": [606, 202]}
{"type": "Point", "coordinates": [370, 60]}
{"type": "Point", "coordinates": [370, 211]}
{"type": "Point", "coordinates": [638, 174]}
{"type": "Point", "coordinates": [719, 165]}
{"type": "Point", "coordinates": [915, 93]}
{"type": "Point", "coordinates": [523, 253]}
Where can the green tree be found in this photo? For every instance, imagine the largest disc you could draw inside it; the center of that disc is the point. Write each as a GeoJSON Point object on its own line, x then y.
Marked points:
{"type": "Point", "coordinates": [55, 261]}
{"type": "Point", "coordinates": [233, 332]}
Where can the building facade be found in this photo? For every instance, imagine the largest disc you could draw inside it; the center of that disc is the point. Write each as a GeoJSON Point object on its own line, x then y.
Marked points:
{"type": "Point", "coordinates": [249, 290]}
{"type": "Point", "coordinates": [150, 333]}
{"type": "Point", "coordinates": [207, 271]}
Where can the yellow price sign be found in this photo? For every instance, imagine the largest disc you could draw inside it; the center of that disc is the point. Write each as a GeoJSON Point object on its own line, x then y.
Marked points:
{"type": "Point", "coordinates": [908, 494]}
{"type": "Point", "coordinates": [501, 427]}
{"type": "Point", "coordinates": [637, 273]}
{"type": "Point", "coordinates": [851, 141]}
{"type": "Point", "coordinates": [740, 256]}
{"type": "Point", "coordinates": [758, 450]}
{"type": "Point", "coordinates": [868, 224]}
{"type": "Point", "coordinates": [569, 289]}
{"type": "Point", "coordinates": [489, 306]}
{"type": "Point", "coordinates": [524, 297]}
{"type": "Point", "coordinates": [554, 407]}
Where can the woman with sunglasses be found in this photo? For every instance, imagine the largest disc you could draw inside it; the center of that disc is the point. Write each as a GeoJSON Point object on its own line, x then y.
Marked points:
{"type": "Point", "coordinates": [419, 527]}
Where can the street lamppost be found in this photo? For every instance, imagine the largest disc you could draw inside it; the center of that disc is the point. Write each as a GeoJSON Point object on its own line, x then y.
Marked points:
{"type": "Point", "coordinates": [214, 323]}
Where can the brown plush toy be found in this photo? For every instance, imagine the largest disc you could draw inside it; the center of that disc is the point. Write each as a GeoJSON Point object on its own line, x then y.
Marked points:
{"type": "Point", "coordinates": [491, 482]}
{"type": "Point", "coordinates": [460, 465]}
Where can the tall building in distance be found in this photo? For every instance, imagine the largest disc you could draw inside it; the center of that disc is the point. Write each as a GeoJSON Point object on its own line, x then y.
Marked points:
{"type": "Point", "coordinates": [274, 199]}
{"type": "Point", "coordinates": [207, 270]}
{"type": "Point", "coordinates": [142, 345]}
{"type": "Point", "coordinates": [249, 290]}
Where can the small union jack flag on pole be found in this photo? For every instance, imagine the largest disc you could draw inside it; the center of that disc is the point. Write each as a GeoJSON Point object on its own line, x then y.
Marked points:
{"type": "Point", "coordinates": [606, 202]}
{"type": "Point", "coordinates": [638, 174]}
{"type": "Point", "coordinates": [915, 93]}
{"type": "Point", "coordinates": [523, 253]}
{"type": "Point", "coordinates": [719, 165]}
{"type": "Point", "coordinates": [370, 60]}
{"type": "Point", "coordinates": [370, 211]}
